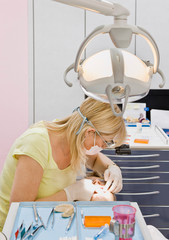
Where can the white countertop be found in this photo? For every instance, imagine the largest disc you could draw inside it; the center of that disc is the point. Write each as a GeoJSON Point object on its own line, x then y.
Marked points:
{"type": "Point", "coordinates": [157, 138]}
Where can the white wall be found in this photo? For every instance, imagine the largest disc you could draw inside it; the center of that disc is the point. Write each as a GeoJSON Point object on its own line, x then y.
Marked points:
{"type": "Point", "coordinates": [58, 32]}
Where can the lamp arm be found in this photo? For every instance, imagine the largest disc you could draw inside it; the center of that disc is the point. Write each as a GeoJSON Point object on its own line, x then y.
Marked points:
{"type": "Point", "coordinates": [99, 6]}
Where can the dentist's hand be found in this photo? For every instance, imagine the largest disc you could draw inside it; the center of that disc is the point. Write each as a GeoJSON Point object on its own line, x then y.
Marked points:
{"type": "Point", "coordinates": [81, 190]}
{"type": "Point", "coordinates": [113, 178]}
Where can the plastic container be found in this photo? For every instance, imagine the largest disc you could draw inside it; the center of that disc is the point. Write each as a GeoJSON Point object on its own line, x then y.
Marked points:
{"type": "Point", "coordinates": [125, 214]}
{"type": "Point", "coordinates": [96, 221]}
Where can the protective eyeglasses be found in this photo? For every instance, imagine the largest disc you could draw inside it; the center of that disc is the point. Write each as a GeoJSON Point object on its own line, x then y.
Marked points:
{"type": "Point", "coordinates": [108, 144]}
{"type": "Point", "coordinates": [85, 120]}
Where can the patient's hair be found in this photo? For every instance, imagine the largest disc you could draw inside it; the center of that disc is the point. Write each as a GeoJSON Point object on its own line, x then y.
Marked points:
{"type": "Point", "coordinates": [101, 116]}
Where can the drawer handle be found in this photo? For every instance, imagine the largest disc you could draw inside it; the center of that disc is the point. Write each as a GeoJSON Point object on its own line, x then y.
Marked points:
{"type": "Point", "coordinates": [140, 179]}
{"type": "Point", "coordinates": [145, 167]}
{"type": "Point", "coordinates": [133, 156]}
{"type": "Point", "coordinates": [152, 215]}
{"type": "Point", "coordinates": [139, 194]}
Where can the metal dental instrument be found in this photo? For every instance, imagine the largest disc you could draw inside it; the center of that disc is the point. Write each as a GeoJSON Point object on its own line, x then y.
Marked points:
{"type": "Point", "coordinates": [18, 231]}
{"type": "Point", "coordinates": [82, 217]}
{"type": "Point", "coordinates": [36, 230]}
{"type": "Point", "coordinates": [41, 220]}
{"type": "Point", "coordinates": [29, 228]}
{"type": "Point", "coordinates": [33, 233]}
{"type": "Point", "coordinates": [35, 213]}
{"type": "Point", "coordinates": [70, 222]}
{"type": "Point", "coordinates": [27, 231]}
{"type": "Point", "coordinates": [53, 219]}
{"type": "Point", "coordinates": [103, 230]}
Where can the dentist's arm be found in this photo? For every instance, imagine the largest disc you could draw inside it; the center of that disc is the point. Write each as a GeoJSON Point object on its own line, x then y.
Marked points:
{"type": "Point", "coordinates": [106, 167]}
{"type": "Point", "coordinates": [27, 180]}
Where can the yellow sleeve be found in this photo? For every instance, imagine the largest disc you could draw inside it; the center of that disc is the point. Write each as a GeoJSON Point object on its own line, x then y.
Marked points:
{"type": "Point", "coordinates": [34, 145]}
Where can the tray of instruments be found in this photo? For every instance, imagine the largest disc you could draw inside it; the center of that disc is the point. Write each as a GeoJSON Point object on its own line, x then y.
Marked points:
{"type": "Point", "coordinates": [56, 226]}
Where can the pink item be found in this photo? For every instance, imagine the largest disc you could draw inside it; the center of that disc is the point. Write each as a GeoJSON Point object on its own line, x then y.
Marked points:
{"type": "Point", "coordinates": [14, 84]}
{"type": "Point", "coordinates": [125, 214]}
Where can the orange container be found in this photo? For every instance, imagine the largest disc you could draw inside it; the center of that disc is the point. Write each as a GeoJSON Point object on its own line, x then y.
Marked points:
{"type": "Point", "coordinates": [96, 221]}
{"type": "Point", "coordinates": [137, 140]}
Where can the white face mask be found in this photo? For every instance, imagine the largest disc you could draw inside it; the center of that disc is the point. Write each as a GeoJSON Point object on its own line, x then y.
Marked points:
{"type": "Point", "coordinates": [95, 149]}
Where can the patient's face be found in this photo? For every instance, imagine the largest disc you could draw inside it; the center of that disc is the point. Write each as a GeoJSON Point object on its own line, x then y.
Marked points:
{"type": "Point", "coordinates": [98, 181]}
{"type": "Point", "coordinates": [99, 194]}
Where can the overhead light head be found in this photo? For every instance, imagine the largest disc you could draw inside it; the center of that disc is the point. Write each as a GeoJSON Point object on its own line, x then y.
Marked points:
{"type": "Point", "coordinates": [114, 75]}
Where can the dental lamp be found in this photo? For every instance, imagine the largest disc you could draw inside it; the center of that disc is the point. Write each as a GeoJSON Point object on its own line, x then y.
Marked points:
{"type": "Point", "coordinates": [114, 75]}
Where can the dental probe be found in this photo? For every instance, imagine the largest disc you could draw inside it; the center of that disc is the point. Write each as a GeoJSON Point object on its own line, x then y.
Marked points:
{"type": "Point", "coordinates": [70, 222]}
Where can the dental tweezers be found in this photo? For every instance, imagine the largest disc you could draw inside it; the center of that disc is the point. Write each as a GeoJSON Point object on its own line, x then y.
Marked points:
{"type": "Point", "coordinates": [51, 215]}
{"type": "Point", "coordinates": [41, 220]}
{"type": "Point", "coordinates": [36, 215]}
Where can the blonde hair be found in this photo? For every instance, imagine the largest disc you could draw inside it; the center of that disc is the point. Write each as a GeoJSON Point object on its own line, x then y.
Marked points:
{"type": "Point", "coordinates": [101, 116]}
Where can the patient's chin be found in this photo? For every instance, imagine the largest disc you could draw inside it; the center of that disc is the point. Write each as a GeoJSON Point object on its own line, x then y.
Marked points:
{"type": "Point", "coordinates": [103, 196]}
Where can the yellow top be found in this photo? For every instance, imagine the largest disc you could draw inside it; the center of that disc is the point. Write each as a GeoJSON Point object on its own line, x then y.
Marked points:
{"type": "Point", "coordinates": [34, 143]}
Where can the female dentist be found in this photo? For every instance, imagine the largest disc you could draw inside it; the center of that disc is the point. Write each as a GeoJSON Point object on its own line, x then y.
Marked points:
{"type": "Point", "coordinates": [44, 162]}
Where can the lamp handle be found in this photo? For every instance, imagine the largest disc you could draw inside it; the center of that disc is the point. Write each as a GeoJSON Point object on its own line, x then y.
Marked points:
{"type": "Point", "coordinates": [109, 95]}
{"type": "Point", "coordinates": [65, 74]}
{"type": "Point", "coordinates": [106, 29]}
{"type": "Point", "coordinates": [99, 30]}
{"type": "Point", "coordinates": [161, 85]}
{"type": "Point", "coordinates": [146, 35]}
{"type": "Point", "coordinates": [68, 69]}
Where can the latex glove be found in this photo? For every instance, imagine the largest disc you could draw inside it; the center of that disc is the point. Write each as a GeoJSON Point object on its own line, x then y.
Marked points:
{"type": "Point", "coordinates": [113, 178]}
{"type": "Point", "coordinates": [81, 190]}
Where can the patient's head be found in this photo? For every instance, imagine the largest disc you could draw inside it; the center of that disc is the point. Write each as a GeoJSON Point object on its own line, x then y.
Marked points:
{"type": "Point", "coordinates": [100, 194]}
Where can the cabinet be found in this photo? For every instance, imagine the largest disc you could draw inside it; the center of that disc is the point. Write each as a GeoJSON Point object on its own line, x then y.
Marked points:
{"type": "Point", "coordinates": [146, 181]}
